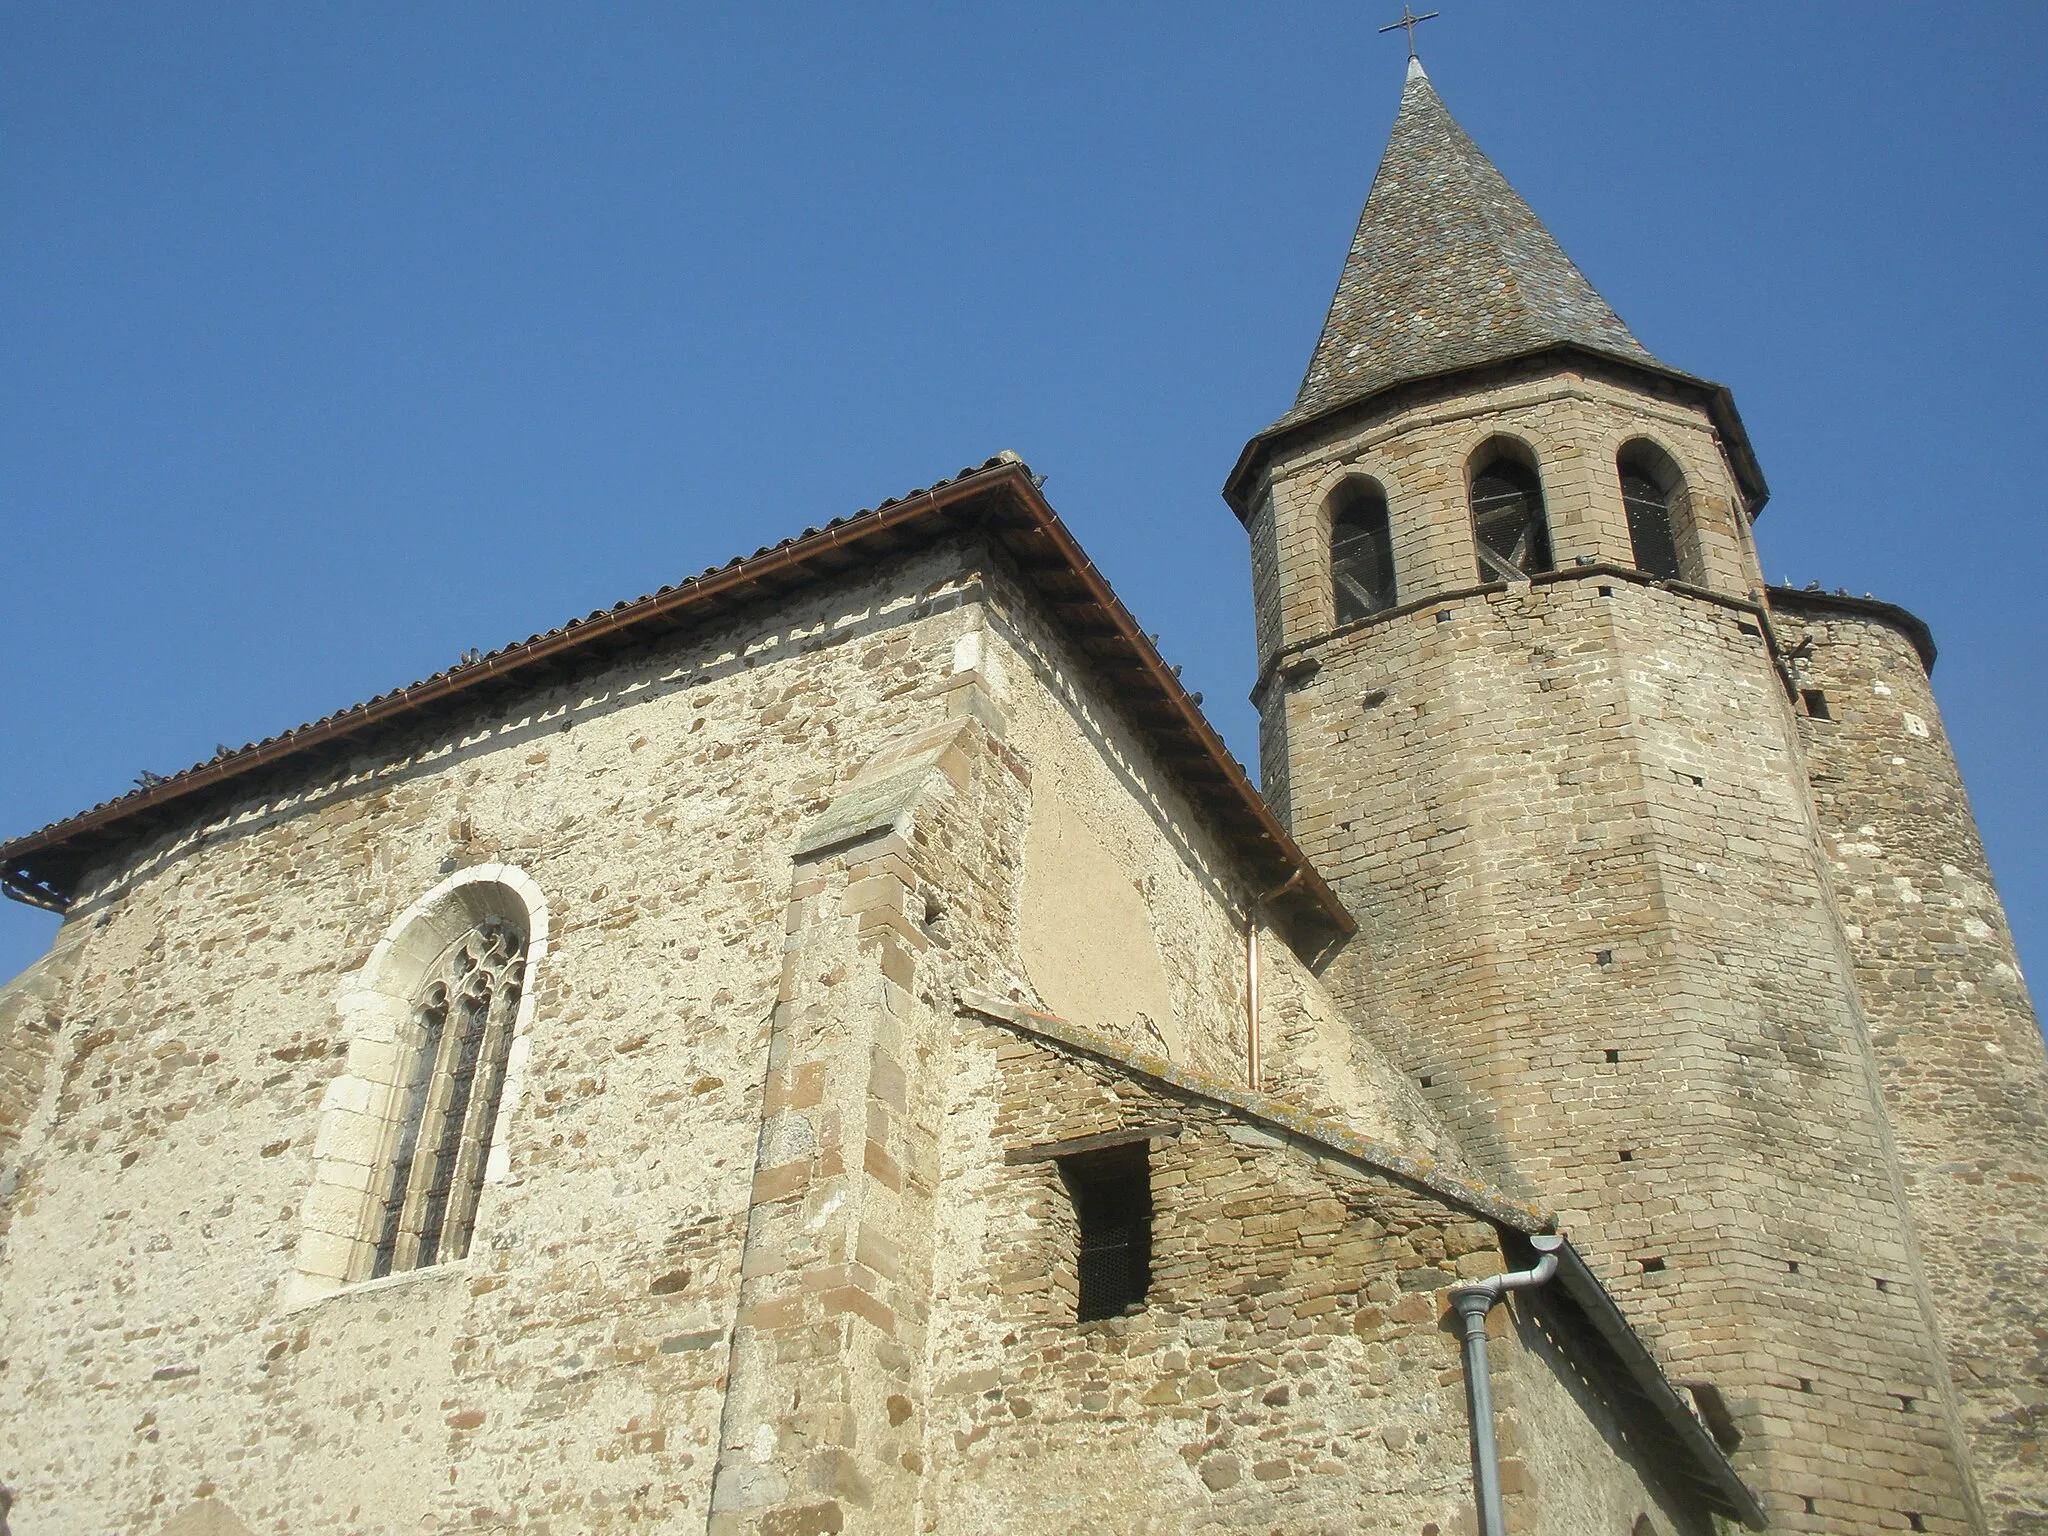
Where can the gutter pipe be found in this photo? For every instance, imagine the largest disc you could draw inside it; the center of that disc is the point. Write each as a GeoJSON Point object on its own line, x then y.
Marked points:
{"type": "Point", "coordinates": [1251, 995]}
{"type": "Point", "coordinates": [1472, 1303]}
{"type": "Point", "coordinates": [1254, 1075]}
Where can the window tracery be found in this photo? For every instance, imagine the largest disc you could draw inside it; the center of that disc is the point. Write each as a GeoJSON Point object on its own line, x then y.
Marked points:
{"type": "Point", "coordinates": [447, 1102]}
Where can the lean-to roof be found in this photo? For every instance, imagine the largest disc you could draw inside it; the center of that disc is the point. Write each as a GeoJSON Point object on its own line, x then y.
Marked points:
{"type": "Point", "coordinates": [1599, 1334]}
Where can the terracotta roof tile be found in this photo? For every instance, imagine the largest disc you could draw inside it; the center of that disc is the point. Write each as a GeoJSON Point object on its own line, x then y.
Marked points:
{"type": "Point", "coordinates": [999, 496]}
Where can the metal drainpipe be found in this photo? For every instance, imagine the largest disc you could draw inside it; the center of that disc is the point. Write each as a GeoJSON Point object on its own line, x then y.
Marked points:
{"type": "Point", "coordinates": [1254, 1077]}
{"type": "Point", "coordinates": [1251, 994]}
{"type": "Point", "coordinates": [1473, 1302]}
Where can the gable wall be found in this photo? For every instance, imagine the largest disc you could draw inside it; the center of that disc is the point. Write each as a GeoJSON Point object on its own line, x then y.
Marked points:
{"type": "Point", "coordinates": [569, 1370]}
{"type": "Point", "coordinates": [1121, 880]}
{"type": "Point", "coordinates": [579, 1369]}
{"type": "Point", "coordinates": [1093, 775]}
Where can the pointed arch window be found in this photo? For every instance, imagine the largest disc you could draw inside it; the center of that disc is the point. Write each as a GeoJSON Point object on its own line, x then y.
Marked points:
{"type": "Point", "coordinates": [446, 1099]}
{"type": "Point", "coordinates": [1509, 531]}
{"type": "Point", "coordinates": [1650, 490]}
{"type": "Point", "coordinates": [1361, 551]}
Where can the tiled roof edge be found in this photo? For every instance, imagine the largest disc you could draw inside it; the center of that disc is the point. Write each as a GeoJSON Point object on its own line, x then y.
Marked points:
{"type": "Point", "coordinates": [425, 691]}
{"type": "Point", "coordinates": [1001, 494]}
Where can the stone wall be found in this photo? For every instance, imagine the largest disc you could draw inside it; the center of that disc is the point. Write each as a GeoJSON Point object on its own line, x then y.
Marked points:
{"type": "Point", "coordinates": [1292, 1368]}
{"type": "Point", "coordinates": [1089, 769]}
{"type": "Point", "coordinates": [1572, 819]}
{"type": "Point", "coordinates": [1956, 1039]}
{"type": "Point", "coordinates": [1117, 864]}
{"type": "Point", "coordinates": [727, 1234]}
{"type": "Point", "coordinates": [569, 1372]}
{"type": "Point", "coordinates": [1418, 453]}
{"type": "Point", "coordinates": [32, 1008]}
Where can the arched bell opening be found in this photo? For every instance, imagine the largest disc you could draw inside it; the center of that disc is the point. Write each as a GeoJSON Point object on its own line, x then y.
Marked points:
{"type": "Point", "coordinates": [1510, 531]}
{"type": "Point", "coordinates": [1654, 495]}
{"type": "Point", "coordinates": [1361, 551]}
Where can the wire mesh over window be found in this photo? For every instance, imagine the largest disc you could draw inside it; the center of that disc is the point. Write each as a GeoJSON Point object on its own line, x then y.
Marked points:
{"type": "Point", "coordinates": [1649, 524]}
{"type": "Point", "coordinates": [1112, 1194]}
{"type": "Point", "coordinates": [448, 1102]}
{"type": "Point", "coordinates": [1510, 534]}
{"type": "Point", "coordinates": [1361, 552]}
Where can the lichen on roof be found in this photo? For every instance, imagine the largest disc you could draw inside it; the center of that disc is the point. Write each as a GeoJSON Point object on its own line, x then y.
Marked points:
{"type": "Point", "coordinates": [1450, 269]}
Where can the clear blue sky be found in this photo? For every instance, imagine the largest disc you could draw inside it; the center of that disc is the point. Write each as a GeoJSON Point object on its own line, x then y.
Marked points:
{"type": "Point", "coordinates": [338, 338]}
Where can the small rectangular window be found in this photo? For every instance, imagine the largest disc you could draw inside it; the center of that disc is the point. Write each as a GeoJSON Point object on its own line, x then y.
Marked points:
{"type": "Point", "coordinates": [1816, 703]}
{"type": "Point", "coordinates": [1112, 1195]}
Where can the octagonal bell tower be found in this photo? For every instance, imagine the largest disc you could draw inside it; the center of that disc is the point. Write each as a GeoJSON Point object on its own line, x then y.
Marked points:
{"type": "Point", "coordinates": [1521, 701]}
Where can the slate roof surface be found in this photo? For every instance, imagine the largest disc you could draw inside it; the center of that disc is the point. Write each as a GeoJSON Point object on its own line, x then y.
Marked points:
{"type": "Point", "coordinates": [1449, 269]}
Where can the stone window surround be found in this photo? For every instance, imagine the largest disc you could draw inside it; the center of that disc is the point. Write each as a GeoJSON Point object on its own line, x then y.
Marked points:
{"type": "Point", "coordinates": [1639, 440]}
{"type": "Point", "coordinates": [355, 1114]}
{"type": "Point", "coordinates": [1506, 446]}
{"type": "Point", "coordinates": [1661, 465]}
{"type": "Point", "coordinates": [1351, 482]}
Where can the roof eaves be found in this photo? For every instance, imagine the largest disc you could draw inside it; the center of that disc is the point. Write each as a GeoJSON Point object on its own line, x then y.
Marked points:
{"type": "Point", "coordinates": [1000, 493]}
{"type": "Point", "coordinates": [1240, 485]}
{"type": "Point", "coordinates": [504, 664]}
{"type": "Point", "coordinates": [1813, 600]}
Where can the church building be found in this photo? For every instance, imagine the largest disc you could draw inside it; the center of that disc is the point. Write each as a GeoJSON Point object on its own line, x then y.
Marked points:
{"type": "Point", "coordinates": [837, 1045]}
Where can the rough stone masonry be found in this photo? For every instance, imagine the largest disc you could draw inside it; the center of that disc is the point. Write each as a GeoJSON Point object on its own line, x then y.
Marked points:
{"type": "Point", "coordinates": [858, 913]}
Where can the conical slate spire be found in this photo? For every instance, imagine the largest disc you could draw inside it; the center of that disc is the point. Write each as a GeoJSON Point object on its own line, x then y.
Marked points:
{"type": "Point", "coordinates": [1450, 268]}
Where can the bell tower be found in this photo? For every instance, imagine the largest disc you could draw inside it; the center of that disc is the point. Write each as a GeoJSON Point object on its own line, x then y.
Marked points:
{"type": "Point", "coordinates": [1523, 703]}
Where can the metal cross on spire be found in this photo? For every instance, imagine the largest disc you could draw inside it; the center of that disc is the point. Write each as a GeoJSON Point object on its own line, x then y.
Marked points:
{"type": "Point", "coordinates": [1410, 21]}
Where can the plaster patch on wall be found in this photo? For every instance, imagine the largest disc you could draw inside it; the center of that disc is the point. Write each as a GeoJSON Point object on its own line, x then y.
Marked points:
{"type": "Point", "coordinates": [206, 1517]}
{"type": "Point", "coordinates": [1086, 932]}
